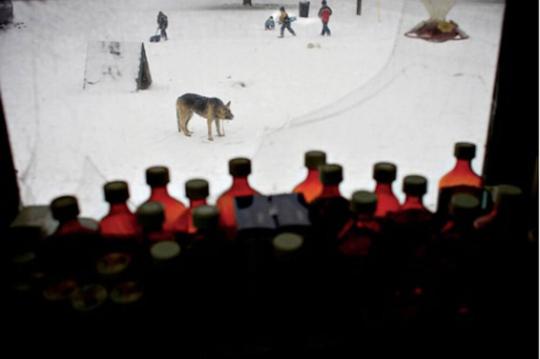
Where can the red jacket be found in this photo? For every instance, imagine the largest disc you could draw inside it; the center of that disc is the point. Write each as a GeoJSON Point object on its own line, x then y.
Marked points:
{"type": "Point", "coordinates": [324, 14]}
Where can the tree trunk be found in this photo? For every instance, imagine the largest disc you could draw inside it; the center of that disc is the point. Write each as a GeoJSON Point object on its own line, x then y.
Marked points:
{"type": "Point", "coordinates": [247, 2]}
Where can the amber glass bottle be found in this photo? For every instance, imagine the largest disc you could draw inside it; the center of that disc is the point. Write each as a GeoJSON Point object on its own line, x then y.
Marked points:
{"type": "Point", "coordinates": [239, 169]}
{"type": "Point", "coordinates": [157, 178]}
{"type": "Point", "coordinates": [120, 224]}
{"type": "Point", "coordinates": [70, 252]}
{"type": "Point", "coordinates": [197, 191]}
{"type": "Point", "coordinates": [330, 210]}
{"type": "Point", "coordinates": [354, 274]}
{"type": "Point", "coordinates": [457, 258]}
{"type": "Point", "coordinates": [384, 173]}
{"type": "Point", "coordinates": [311, 186]}
{"type": "Point", "coordinates": [151, 217]}
{"type": "Point", "coordinates": [461, 179]}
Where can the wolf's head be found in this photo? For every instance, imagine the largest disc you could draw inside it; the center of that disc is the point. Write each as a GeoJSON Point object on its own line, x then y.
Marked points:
{"type": "Point", "coordinates": [224, 111]}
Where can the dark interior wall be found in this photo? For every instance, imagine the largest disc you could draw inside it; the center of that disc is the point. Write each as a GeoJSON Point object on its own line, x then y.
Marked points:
{"type": "Point", "coordinates": [9, 196]}
{"type": "Point", "coordinates": [512, 146]}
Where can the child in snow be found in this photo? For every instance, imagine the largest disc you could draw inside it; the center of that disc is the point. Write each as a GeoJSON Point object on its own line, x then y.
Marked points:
{"type": "Point", "coordinates": [285, 22]}
{"type": "Point", "coordinates": [324, 13]}
{"type": "Point", "coordinates": [269, 24]}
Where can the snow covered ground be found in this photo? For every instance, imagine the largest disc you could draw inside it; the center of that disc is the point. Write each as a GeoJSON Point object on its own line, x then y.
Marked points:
{"type": "Point", "coordinates": [365, 94]}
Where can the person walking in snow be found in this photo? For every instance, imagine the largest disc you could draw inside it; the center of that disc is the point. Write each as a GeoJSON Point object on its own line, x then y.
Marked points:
{"type": "Point", "coordinates": [285, 22]}
{"type": "Point", "coordinates": [162, 24]}
{"type": "Point", "coordinates": [324, 13]}
{"type": "Point", "coordinates": [269, 24]}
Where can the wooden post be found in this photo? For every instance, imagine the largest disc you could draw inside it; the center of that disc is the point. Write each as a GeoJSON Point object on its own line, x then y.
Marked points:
{"type": "Point", "coordinates": [358, 7]}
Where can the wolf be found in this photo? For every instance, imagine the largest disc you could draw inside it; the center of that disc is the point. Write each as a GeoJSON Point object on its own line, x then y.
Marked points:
{"type": "Point", "coordinates": [211, 108]}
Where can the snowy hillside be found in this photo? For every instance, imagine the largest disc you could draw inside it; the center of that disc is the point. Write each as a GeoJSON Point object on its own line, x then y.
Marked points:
{"type": "Point", "coordinates": [363, 95]}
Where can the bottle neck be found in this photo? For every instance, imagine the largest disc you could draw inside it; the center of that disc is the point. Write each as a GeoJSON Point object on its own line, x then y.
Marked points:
{"type": "Point", "coordinates": [194, 203]}
{"type": "Point", "coordinates": [413, 202]}
{"type": "Point", "coordinates": [119, 208]}
{"type": "Point", "coordinates": [241, 184]}
{"type": "Point", "coordinates": [330, 190]}
{"type": "Point", "coordinates": [312, 175]}
{"type": "Point", "coordinates": [384, 188]}
{"type": "Point", "coordinates": [160, 191]}
{"type": "Point", "coordinates": [463, 165]}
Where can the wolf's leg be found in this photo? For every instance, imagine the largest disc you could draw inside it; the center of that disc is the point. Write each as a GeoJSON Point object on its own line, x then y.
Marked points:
{"type": "Point", "coordinates": [178, 117]}
{"type": "Point", "coordinates": [183, 123]}
{"type": "Point", "coordinates": [188, 117]}
{"type": "Point", "coordinates": [209, 123]}
{"type": "Point", "coordinates": [217, 121]}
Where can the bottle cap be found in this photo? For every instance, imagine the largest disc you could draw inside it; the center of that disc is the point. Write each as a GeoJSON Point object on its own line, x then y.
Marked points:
{"type": "Point", "coordinates": [507, 196]}
{"type": "Point", "coordinates": [415, 185]}
{"type": "Point", "coordinates": [465, 150]}
{"type": "Point", "coordinates": [384, 172]}
{"type": "Point", "coordinates": [151, 216]}
{"type": "Point", "coordinates": [464, 205]}
{"type": "Point", "coordinates": [331, 174]}
{"type": "Point", "coordinates": [197, 189]}
{"type": "Point", "coordinates": [363, 202]}
{"type": "Point", "coordinates": [240, 167]}
{"type": "Point", "coordinates": [206, 217]}
{"type": "Point", "coordinates": [157, 176]}
{"type": "Point", "coordinates": [313, 159]}
{"type": "Point", "coordinates": [64, 208]}
{"type": "Point", "coordinates": [286, 243]}
{"type": "Point", "coordinates": [164, 250]}
{"type": "Point", "coordinates": [116, 191]}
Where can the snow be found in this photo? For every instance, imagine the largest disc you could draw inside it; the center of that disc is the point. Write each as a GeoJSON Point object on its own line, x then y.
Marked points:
{"type": "Point", "coordinates": [364, 95]}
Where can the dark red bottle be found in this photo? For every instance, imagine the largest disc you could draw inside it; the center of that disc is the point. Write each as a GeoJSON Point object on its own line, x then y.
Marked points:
{"type": "Point", "coordinates": [211, 268]}
{"type": "Point", "coordinates": [409, 235]}
{"type": "Point", "coordinates": [151, 217]}
{"type": "Point", "coordinates": [411, 227]}
{"type": "Point", "coordinates": [330, 210]}
{"type": "Point", "coordinates": [120, 224]}
{"type": "Point", "coordinates": [505, 219]}
{"type": "Point", "coordinates": [356, 237]}
{"type": "Point", "coordinates": [457, 256]}
{"type": "Point", "coordinates": [384, 173]}
{"type": "Point", "coordinates": [461, 179]}
{"type": "Point", "coordinates": [119, 265]}
{"type": "Point", "coordinates": [157, 178]}
{"type": "Point", "coordinates": [311, 186]}
{"type": "Point", "coordinates": [240, 169]}
{"type": "Point", "coordinates": [197, 191]}
{"type": "Point", "coordinates": [70, 252]}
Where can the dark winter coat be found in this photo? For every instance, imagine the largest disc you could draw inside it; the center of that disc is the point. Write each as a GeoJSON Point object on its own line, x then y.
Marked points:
{"type": "Point", "coordinates": [324, 13]}
{"type": "Point", "coordinates": [162, 21]}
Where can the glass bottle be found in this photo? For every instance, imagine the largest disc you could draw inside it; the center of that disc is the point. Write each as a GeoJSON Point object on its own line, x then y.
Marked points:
{"type": "Point", "coordinates": [354, 274]}
{"type": "Point", "coordinates": [69, 253]}
{"type": "Point", "coordinates": [457, 260]}
{"type": "Point", "coordinates": [411, 227]}
{"type": "Point", "coordinates": [120, 224]}
{"type": "Point", "coordinates": [121, 238]}
{"type": "Point", "coordinates": [197, 191]}
{"type": "Point", "coordinates": [239, 169]}
{"type": "Point", "coordinates": [311, 186]}
{"type": "Point", "coordinates": [157, 178]}
{"type": "Point", "coordinates": [330, 210]}
{"type": "Point", "coordinates": [461, 179]}
{"type": "Point", "coordinates": [151, 217]}
{"type": "Point", "coordinates": [384, 173]}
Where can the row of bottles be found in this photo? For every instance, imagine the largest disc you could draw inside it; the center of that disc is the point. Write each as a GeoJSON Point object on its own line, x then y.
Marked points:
{"type": "Point", "coordinates": [369, 261]}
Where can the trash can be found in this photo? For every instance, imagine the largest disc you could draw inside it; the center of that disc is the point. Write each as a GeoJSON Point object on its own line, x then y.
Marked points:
{"type": "Point", "coordinates": [304, 8]}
